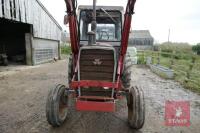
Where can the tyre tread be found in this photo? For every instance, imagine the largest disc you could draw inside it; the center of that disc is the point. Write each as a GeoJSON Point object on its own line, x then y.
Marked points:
{"type": "Point", "coordinates": [52, 105]}
{"type": "Point", "coordinates": [138, 118]}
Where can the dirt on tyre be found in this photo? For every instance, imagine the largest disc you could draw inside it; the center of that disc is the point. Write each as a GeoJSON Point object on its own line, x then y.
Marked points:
{"type": "Point", "coordinates": [57, 106]}
{"type": "Point", "coordinates": [136, 108]}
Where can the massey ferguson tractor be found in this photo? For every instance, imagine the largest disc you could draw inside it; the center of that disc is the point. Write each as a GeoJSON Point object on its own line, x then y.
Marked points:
{"type": "Point", "coordinates": [98, 72]}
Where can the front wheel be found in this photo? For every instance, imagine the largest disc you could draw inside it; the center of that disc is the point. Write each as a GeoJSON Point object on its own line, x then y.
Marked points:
{"type": "Point", "coordinates": [136, 108]}
{"type": "Point", "coordinates": [57, 106]}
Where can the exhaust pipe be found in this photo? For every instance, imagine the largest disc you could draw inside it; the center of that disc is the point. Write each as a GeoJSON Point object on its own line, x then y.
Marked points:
{"type": "Point", "coordinates": [92, 34]}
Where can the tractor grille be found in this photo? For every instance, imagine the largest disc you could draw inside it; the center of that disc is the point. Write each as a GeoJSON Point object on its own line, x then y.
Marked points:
{"type": "Point", "coordinates": [97, 64]}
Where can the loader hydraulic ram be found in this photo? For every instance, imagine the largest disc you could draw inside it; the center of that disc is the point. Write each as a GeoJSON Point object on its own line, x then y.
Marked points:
{"type": "Point", "coordinates": [98, 71]}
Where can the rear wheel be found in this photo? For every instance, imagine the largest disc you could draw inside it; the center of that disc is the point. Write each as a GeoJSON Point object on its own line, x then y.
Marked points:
{"type": "Point", "coordinates": [126, 77]}
{"type": "Point", "coordinates": [57, 106]}
{"type": "Point", "coordinates": [136, 108]}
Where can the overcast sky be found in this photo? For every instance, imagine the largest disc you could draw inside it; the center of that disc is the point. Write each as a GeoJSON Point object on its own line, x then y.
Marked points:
{"type": "Point", "coordinates": [182, 17]}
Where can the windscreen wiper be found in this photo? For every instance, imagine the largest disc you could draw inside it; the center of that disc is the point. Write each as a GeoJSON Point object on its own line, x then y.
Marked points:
{"type": "Point", "coordinates": [108, 15]}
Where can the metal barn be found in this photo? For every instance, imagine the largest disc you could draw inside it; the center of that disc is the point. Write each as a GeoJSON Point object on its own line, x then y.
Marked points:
{"type": "Point", "coordinates": [141, 39]}
{"type": "Point", "coordinates": [28, 32]}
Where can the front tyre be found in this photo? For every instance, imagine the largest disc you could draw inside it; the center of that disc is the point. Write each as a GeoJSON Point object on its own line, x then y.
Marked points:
{"type": "Point", "coordinates": [136, 108]}
{"type": "Point", "coordinates": [57, 106]}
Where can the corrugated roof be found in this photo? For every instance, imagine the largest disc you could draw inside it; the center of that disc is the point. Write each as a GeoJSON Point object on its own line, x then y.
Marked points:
{"type": "Point", "coordinates": [118, 8]}
{"type": "Point", "coordinates": [49, 14]}
{"type": "Point", "coordinates": [140, 34]}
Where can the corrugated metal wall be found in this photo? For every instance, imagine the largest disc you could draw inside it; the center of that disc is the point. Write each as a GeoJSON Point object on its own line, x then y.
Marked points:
{"type": "Point", "coordinates": [31, 12]}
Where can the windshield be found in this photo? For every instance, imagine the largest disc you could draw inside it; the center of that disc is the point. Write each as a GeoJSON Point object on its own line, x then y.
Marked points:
{"type": "Point", "coordinates": [108, 26]}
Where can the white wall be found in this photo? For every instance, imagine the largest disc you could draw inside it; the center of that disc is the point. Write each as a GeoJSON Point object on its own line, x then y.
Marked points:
{"type": "Point", "coordinates": [44, 50]}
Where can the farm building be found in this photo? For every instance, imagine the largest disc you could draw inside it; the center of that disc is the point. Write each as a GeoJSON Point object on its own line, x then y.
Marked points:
{"type": "Point", "coordinates": [28, 32]}
{"type": "Point", "coordinates": [141, 39]}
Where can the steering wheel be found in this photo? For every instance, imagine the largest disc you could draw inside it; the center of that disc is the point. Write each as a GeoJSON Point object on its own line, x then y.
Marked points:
{"type": "Point", "coordinates": [104, 35]}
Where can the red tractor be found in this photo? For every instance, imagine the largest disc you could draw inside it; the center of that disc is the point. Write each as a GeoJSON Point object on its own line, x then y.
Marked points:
{"type": "Point", "coordinates": [98, 72]}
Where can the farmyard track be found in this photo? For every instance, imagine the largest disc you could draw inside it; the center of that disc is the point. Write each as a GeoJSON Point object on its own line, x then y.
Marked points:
{"type": "Point", "coordinates": [23, 96]}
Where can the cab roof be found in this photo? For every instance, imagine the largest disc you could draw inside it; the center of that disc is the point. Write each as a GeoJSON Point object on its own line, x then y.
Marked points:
{"type": "Point", "coordinates": [110, 8]}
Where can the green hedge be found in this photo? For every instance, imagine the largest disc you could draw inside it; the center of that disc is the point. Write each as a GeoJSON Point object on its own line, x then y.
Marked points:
{"type": "Point", "coordinates": [65, 50]}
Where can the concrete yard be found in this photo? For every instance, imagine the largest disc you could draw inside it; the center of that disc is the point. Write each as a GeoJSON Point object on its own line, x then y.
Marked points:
{"type": "Point", "coordinates": [23, 94]}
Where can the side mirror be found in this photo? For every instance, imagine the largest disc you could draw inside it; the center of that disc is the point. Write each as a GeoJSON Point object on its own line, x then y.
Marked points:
{"type": "Point", "coordinates": [66, 19]}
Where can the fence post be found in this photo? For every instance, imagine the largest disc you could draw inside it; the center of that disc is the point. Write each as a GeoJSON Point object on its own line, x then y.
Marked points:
{"type": "Point", "coordinates": [144, 57]}
{"type": "Point", "coordinates": [152, 58]}
{"type": "Point", "coordinates": [172, 59]}
{"type": "Point", "coordinates": [158, 58]}
{"type": "Point", "coordinates": [191, 67]}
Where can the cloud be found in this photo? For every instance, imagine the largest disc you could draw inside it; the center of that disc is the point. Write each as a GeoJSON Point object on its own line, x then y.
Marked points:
{"type": "Point", "coordinates": [181, 16]}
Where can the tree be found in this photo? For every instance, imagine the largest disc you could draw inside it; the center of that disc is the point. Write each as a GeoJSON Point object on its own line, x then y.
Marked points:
{"type": "Point", "coordinates": [196, 48]}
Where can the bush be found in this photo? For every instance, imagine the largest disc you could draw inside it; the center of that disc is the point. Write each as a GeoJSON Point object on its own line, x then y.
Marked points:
{"type": "Point", "coordinates": [65, 50]}
{"type": "Point", "coordinates": [167, 52]}
{"type": "Point", "coordinates": [141, 59]}
{"type": "Point", "coordinates": [182, 47]}
{"type": "Point", "coordinates": [181, 50]}
{"type": "Point", "coordinates": [196, 48]}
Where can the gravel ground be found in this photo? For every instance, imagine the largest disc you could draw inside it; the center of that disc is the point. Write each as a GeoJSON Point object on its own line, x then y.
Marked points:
{"type": "Point", "coordinates": [23, 96]}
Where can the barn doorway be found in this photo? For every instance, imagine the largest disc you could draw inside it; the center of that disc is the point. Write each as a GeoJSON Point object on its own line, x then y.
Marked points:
{"type": "Point", "coordinates": [13, 42]}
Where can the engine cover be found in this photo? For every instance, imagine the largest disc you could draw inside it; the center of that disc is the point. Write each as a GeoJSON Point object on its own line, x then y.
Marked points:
{"type": "Point", "coordinates": [97, 63]}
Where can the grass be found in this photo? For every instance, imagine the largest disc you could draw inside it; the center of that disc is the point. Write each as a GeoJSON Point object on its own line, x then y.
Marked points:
{"type": "Point", "coordinates": [182, 58]}
{"type": "Point", "coordinates": [182, 61]}
{"type": "Point", "coordinates": [65, 49]}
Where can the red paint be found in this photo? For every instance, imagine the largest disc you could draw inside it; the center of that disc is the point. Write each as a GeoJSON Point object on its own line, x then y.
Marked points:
{"type": "Point", "coordinates": [107, 104]}
{"type": "Point", "coordinates": [73, 27]}
{"type": "Point", "coordinates": [91, 83]}
{"type": "Point", "coordinates": [125, 33]}
{"type": "Point", "coordinates": [100, 98]}
{"type": "Point", "coordinates": [95, 106]}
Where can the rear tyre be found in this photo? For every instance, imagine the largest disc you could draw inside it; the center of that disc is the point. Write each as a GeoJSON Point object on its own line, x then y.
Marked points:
{"type": "Point", "coordinates": [126, 77]}
{"type": "Point", "coordinates": [57, 106]}
{"type": "Point", "coordinates": [136, 108]}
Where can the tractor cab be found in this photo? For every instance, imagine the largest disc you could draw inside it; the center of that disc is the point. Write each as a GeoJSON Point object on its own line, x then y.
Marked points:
{"type": "Point", "coordinates": [108, 24]}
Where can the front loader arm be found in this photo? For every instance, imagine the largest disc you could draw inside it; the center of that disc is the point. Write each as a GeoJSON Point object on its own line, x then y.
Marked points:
{"type": "Point", "coordinates": [125, 34]}
{"type": "Point", "coordinates": [127, 25]}
{"type": "Point", "coordinates": [73, 28]}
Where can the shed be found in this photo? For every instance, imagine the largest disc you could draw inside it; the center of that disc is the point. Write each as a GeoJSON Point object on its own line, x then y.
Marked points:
{"type": "Point", "coordinates": [28, 31]}
{"type": "Point", "coordinates": [141, 39]}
